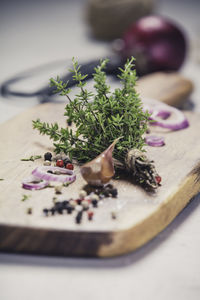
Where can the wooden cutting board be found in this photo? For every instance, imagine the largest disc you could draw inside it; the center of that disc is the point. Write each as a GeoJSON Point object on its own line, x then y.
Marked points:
{"type": "Point", "coordinates": [140, 216]}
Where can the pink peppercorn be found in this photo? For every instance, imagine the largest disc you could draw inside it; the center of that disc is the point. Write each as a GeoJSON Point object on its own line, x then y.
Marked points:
{"type": "Point", "coordinates": [60, 163]}
{"type": "Point", "coordinates": [158, 179]}
{"type": "Point", "coordinates": [69, 166]}
{"type": "Point", "coordinates": [90, 215]}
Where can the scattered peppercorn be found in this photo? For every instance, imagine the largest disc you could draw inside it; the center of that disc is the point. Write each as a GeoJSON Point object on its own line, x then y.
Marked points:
{"type": "Point", "coordinates": [78, 201]}
{"type": "Point", "coordinates": [90, 215]}
{"type": "Point", "coordinates": [113, 215]}
{"type": "Point", "coordinates": [85, 204]}
{"type": "Point", "coordinates": [60, 210]}
{"type": "Point", "coordinates": [53, 210]}
{"type": "Point", "coordinates": [60, 163]}
{"type": "Point", "coordinates": [82, 194]}
{"type": "Point", "coordinates": [58, 189]}
{"type": "Point", "coordinates": [48, 156]}
{"type": "Point", "coordinates": [94, 197]}
{"type": "Point", "coordinates": [69, 166]}
{"type": "Point", "coordinates": [114, 192]}
{"type": "Point", "coordinates": [95, 203]}
{"type": "Point", "coordinates": [158, 179]}
{"type": "Point", "coordinates": [79, 217]}
{"type": "Point", "coordinates": [29, 211]}
{"type": "Point", "coordinates": [87, 198]}
{"type": "Point", "coordinates": [65, 202]}
{"type": "Point", "coordinates": [45, 211]}
{"type": "Point", "coordinates": [69, 209]}
{"type": "Point", "coordinates": [106, 193]}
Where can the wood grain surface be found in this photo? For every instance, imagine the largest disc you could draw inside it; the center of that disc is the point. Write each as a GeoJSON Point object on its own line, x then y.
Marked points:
{"type": "Point", "coordinates": [140, 215]}
{"type": "Point", "coordinates": [171, 88]}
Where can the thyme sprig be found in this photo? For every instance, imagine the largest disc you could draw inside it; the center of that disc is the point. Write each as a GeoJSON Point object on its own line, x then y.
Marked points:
{"type": "Point", "coordinates": [99, 117]}
{"type": "Point", "coordinates": [25, 197]}
{"type": "Point", "coordinates": [31, 158]}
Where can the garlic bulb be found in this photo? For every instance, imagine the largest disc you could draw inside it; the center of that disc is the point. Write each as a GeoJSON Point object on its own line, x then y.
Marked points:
{"type": "Point", "coordinates": [101, 169]}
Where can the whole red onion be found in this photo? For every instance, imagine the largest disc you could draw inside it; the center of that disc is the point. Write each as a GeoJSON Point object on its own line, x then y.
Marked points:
{"type": "Point", "coordinates": [156, 43]}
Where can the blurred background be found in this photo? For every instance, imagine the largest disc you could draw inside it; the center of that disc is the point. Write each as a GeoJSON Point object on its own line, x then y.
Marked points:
{"type": "Point", "coordinates": [35, 33]}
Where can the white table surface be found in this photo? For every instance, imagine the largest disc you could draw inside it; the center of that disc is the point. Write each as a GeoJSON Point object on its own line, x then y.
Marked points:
{"type": "Point", "coordinates": [168, 267]}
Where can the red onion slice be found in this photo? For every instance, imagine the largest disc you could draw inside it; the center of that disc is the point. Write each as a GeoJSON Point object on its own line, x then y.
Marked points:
{"type": "Point", "coordinates": [155, 141]}
{"type": "Point", "coordinates": [41, 173]}
{"type": "Point", "coordinates": [165, 115]}
{"type": "Point", "coordinates": [34, 183]}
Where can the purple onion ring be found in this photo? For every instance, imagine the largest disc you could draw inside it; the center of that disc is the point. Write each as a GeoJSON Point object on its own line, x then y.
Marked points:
{"type": "Point", "coordinates": [34, 183]}
{"type": "Point", "coordinates": [155, 141]}
{"type": "Point", "coordinates": [164, 115]}
{"type": "Point", "coordinates": [41, 173]}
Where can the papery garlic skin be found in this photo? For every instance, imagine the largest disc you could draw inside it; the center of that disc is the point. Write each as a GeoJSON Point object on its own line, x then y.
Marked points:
{"type": "Point", "coordinates": [100, 170]}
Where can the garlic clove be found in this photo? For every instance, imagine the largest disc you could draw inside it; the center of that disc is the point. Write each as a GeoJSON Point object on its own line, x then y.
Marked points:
{"type": "Point", "coordinates": [101, 169]}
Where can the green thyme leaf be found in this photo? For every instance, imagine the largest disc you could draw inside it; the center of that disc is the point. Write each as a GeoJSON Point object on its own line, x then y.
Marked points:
{"type": "Point", "coordinates": [25, 197]}
{"type": "Point", "coordinates": [32, 158]}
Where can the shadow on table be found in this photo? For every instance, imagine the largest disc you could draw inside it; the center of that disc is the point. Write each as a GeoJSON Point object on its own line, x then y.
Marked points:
{"type": "Point", "coordinates": [116, 262]}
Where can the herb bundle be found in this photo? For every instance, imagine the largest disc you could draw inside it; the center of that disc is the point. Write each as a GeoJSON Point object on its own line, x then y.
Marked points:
{"type": "Point", "coordinates": [100, 117]}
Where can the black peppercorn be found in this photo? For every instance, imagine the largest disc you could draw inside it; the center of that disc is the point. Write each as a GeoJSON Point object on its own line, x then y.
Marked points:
{"type": "Point", "coordinates": [78, 201]}
{"type": "Point", "coordinates": [45, 211]}
{"type": "Point", "coordinates": [94, 203]}
{"type": "Point", "coordinates": [59, 207]}
{"type": "Point", "coordinates": [48, 156]}
{"type": "Point", "coordinates": [29, 211]}
{"type": "Point", "coordinates": [106, 193]}
{"type": "Point", "coordinates": [79, 217]}
{"type": "Point", "coordinates": [60, 210]}
{"type": "Point", "coordinates": [53, 210]}
{"type": "Point", "coordinates": [69, 209]}
{"type": "Point", "coordinates": [114, 193]}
